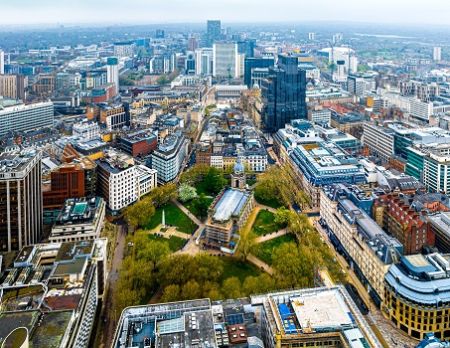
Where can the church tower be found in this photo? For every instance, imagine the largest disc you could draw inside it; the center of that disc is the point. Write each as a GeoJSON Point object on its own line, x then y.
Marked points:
{"type": "Point", "coordinates": [238, 178]}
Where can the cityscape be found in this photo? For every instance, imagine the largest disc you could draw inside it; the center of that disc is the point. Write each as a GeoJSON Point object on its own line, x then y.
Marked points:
{"type": "Point", "coordinates": [261, 174]}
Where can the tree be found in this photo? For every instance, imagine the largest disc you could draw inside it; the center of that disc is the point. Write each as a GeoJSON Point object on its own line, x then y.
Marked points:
{"type": "Point", "coordinates": [195, 174]}
{"type": "Point", "coordinates": [207, 268]}
{"type": "Point", "coordinates": [282, 216]}
{"type": "Point", "coordinates": [250, 286]}
{"type": "Point", "coordinates": [162, 80]}
{"type": "Point", "coordinates": [201, 205]}
{"type": "Point", "coordinates": [186, 193]}
{"type": "Point", "coordinates": [140, 213]}
{"type": "Point", "coordinates": [190, 290]}
{"type": "Point", "coordinates": [163, 194]}
{"type": "Point", "coordinates": [247, 244]}
{"type": "Point", "coordinates": [214, 180]}
{"type": "Point", "coordinates": [231, 287]}
{"type": "Point", "coordinates": [171, 293]}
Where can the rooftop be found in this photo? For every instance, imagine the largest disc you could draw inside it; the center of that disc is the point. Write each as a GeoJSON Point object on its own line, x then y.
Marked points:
{"type": "Point", "coordinates": [16, 159]}
{"type": "Point", "coordinates": [79, 211]}
{"type": "Point", "coordinates": [229, 204]}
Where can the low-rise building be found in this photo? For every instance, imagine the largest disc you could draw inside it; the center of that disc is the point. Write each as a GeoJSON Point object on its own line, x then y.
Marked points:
{"type": "Point", "coordinates": [140, 143]}
{"type": "Point", "coordinates": [367, 248]}
{"type": "Point", "coordinates": [86, 130]}
{"type": "Point", "coordinates": [80, 219]}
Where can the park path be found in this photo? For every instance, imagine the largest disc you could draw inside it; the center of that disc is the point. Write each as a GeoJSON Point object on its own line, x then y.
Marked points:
{"type": "Point", "coordinates": [260, 264]}
{"type": "Point", "coordinates": [271, 236]}
{"type": "Point", "coordinates": [187, 212]}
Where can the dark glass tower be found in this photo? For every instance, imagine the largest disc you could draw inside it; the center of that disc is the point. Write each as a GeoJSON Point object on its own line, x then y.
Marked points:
{"type": "Point", "coordinates": [284, 94]}
{"type": "Point", "coordinates": [252, 63]}
{"type": "Point", "coordinates": [213, 32]}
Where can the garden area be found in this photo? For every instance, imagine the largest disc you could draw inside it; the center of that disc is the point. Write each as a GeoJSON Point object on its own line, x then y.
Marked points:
{"type": "Point", "coordinates": [174, 243]}
{"type": "Point", "coordinates": [266, 223]}
{"type": "Point", "coordinates": [174, 217]}
{"type": "Point", "coordinates": [265, 250]}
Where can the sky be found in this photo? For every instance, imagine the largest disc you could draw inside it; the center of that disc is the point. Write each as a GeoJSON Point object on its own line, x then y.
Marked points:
{"type": "Point", "coordinates": [416, 12]}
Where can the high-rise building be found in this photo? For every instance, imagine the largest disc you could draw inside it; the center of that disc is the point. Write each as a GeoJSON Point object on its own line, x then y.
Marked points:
{"type": "Point", "coordinates": [437, 54]}
{"type": "Point", "coordinates": [252, 63]}
{"type": "Point", "coordinates": [192, 44]}
{"type": "Point", "coordinates": [204, 61]}
{"type": "Point", "coordinates": [284, 94]}
{"type": "Point", "coordinates": [112, 71]}
{"type": "Point", "coordinates": [2, 62]}
{"type": "Point", "coordinates": [311, 36]}
{"type": "Point", "coordinates": [13, 86]}
{"type": "Point", "coordinates": [225, 60]}
{"type": "Point", "coordinates": [20, 198]}
{"type": "Point", "coordinates": [160, 34]}
{"type": "Point", "coordinates": [247, 47]}
{"type": "Point", "coordinates": [26, 117]}
{"type": "Point", "coordinates": [213, 32]}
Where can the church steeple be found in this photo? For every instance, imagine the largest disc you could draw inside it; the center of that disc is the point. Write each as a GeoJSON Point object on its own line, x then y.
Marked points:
{"type": "Point", "coordinates": [238, 178]}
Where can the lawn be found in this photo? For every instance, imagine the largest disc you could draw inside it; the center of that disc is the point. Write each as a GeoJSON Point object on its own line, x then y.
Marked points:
{"type": "Point", "coordinates": [236, 268]}
{"type": "Point", "coordinates": [174, 217]}
{"type": "Point", "coordinates": [265, 223]}
{"type": "Point", "coordinates": [191, 207]}
{"type": "Point", "coordinates": [265, 250]}
{"type": "Point", "coordinates": [175, 243]}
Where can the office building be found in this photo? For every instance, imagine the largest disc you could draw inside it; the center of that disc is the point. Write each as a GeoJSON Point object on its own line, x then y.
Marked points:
{"type": "Point", "coordinates": [80, 219]}
{"type": "Point", "coordinates": [160, 34]}
{"type": "Point", "coordinates": [318, 317]}
{"type": "Point", "coordinates": [168, 158]}
{"type": "Point", "coordinates": [20, 198]}
{"type": "Point", "coordinates": [44, 85]}
{"type": "Point", "coordinates": [319, 115]}
{"type": "Point", "coordinates": [86, 130]}
{"type": "Point", "coordinates": [367, 248]}
{"type": "Point", "coordinates": [213, 32]}
{"type": "Point", "coordinates": [311, 36]}
{"type": "Point", "coordinates": [437, 54]}
{"type": "Point", "coordinates": [114, 117]}
{"type": "Point", "coordinates": [440, 227]}
{"type": "Point", "coordinates": [380, 141]}
{"type": "Point", "coordinates": [53, 291]}
{"type": "Point", "coordinates": [2, 62]}
{"type": "Point", "coordinates": [140, 143]}
{"type": "Point", "coordinates": [431, 341]}
{"type": "Point", "coordinates": [13, 86]}
{"type": "Point", "coordinates": [417, 295]}
{"type": "Point", "coordinates": [204, 61]}
{"type": "Point", "coordinates": [253, 63]}
{"type": "Point", "coordinates": [192, 44]}
{"type": "Point", "coordinates": [225, 60]}
{"type": "Point", "coordinates": [284, 94]}
{"type": "Point", "coordinates": [112, 72]}
{"type": "Point", "coordinates": [359, 84]}
{"type": "Point", "coordinates": [124, 49]}
{"type": "Point", "coordinates": [121, 182]}
{"type": "Point", "coordinates": [19, 118]}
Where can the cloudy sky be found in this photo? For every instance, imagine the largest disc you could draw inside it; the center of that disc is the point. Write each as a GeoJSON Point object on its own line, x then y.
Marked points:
{"type": "Point", "coordinates": [172, 11]}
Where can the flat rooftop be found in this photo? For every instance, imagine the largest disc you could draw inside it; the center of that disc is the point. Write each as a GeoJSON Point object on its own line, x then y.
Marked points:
{"type": "Point", "coordinates": [16, 159]}
{"type": "Point", "coordinates": [79, 210]}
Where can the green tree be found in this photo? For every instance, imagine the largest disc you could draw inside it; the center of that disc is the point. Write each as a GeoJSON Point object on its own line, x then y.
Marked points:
{"type": "Point", "coordinates": [140, 213]}
{"type": "Point", "coordinates": [163, 194]}
{"type": "Point", "coordinates": [251, 285]}
{"type": "Point", "coordinates": [282, 216]}
{"type": "Point", "coordinates": [186, 193]}
{"type": "Point", "coordinates": [231, 287]}
{"type": "Point", "coordinates": [247, 244]}
{"type": "Point", "coordinates": [207, 268]}
{"type": "Point", "coordinates": [190, 290]}
{"type": "Point", "coordinates": [214, 180]}
{"type": "Point", "coordinates": [201, 205]}
{"type": "Point", "coordinates": [171, 293]}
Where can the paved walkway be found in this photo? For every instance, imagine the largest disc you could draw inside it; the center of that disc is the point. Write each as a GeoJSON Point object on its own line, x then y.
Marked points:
{"type": "Point", "coordinates": [271, 236]}
{"type": "Point", "coordinates": [187, 212]}
{"type": "Point", "coordinates": [171, 231]}
{"type": "Point", "coordinates": [260, 264]}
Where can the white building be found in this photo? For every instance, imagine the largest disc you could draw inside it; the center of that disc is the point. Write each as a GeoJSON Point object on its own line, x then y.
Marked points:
{"type": "Point", "coordinates": [86, 129]}
{"type": "Point", "coordinates": [80, 219]}
{"type": "Point", "coordinates": [169, 157]}
{"type": "Point", "coordinates": [112, 72]}
{"type": "Point", "coordinates": [147, 179]}
{"type": "Point", "coordinates": [311, 36]}
{"type": "Point", "coordinates": [225, 60]}
{"type": "Point", "coordinates": [204, 61]}
{"type": "Point", "coordinates": [124, 49]}
{"type": "Point", "coordinates": [2, 62]}
{"type": "Point", "coordinates": [320, 116]}
{"type": "Point", "coordinates": [379, 140]}
{"type": "Point", "coordinates": [437, 54]}
{"type": "Point", "coordinates": [420, 109]}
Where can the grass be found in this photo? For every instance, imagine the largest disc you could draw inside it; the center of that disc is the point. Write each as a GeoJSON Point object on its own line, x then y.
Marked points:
{"type": "Point", "coordinates": [233, 267]}
{"type": "Point", "coordinates": [265, 224]}
{"type": "Point", "coordinates": [174, 217]}
{"type": "Point", "coordinates": [191, 206]}
{"type": "Point", "coordinates": [175, 243]}
{"type": "Point", "coordinates": [265, 250]}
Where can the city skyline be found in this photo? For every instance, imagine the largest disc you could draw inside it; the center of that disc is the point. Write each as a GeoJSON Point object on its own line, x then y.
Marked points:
{"type": "Point", "coordinates": [114, 12]}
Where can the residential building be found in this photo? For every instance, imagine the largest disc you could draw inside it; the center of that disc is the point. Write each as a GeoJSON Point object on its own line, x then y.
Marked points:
{"type": "Point", "coordinates": [20, 118]}
{"type": "Point", "coordinates": [204, 61]}
{"type": "Point", "coordinates": [168, 158]}
{"type": "Point", "coordinates": [80, 219]}
{"type": "Point", "coordinates": [417, 292]}
{"type": "Point", "coordinates": [437, 54]}
{"type": "Point", "coordinates": [20, 198]}
{"type": "Point", "coordinates": [284, 94]}
{"type": "Point", "coordinates": [225, 60]}
{"type": "Point", "coordinates": [124, 49]}
{"type": "Point", "coordinates": [367, 248]}
{"type": "Point", "coordinates": [13, 86]}
{"type": "Point", "coordinates": [44, 85]}
{"type": "Point", "coordinates": [112, 72]}
{"type": "Point", "coordinates": [53, 290]}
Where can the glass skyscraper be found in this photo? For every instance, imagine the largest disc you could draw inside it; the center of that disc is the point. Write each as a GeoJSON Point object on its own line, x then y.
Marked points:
{"type": "Point", "coordinates": [213, 32]}
{"type": "Point", "coordinates": [284, 94]}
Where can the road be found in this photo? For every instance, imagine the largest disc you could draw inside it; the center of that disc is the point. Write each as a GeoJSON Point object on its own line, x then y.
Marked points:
{"type": "Point", "coordinates": [108, 317]}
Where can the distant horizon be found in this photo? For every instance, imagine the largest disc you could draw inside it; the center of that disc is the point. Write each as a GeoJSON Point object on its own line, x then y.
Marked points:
{"type": "Point", "coordinates": [149, 12]}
